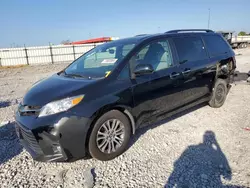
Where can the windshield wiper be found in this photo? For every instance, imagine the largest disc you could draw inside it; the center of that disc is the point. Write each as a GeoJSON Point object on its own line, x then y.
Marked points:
{"type": "Point", "coordinates": [76, 75]}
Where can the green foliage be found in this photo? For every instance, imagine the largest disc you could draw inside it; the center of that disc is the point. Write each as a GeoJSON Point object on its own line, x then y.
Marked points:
{"type": "Point", "coordinates": [242, 33]}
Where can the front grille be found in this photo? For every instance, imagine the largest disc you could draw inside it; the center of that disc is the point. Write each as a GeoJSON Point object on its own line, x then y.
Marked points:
{"type": "Point", "coordinates": [29, 137]}
{"type": "Point", "coordinates": [25, 110]}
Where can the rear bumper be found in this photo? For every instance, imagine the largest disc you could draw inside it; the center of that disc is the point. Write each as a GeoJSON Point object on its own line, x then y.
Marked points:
{"type": "Point", "coordinates": [58, 140]}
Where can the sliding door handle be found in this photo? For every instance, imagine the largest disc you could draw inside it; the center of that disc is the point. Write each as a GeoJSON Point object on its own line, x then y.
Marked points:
{"type": "Point", "coordinates": [174, 75]}
{"type": "Point", "coordinates": [186, 71]}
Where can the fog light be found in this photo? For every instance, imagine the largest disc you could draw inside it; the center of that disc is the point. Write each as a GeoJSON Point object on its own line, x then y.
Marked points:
{"type": "Point", "coordinates": [56, 149]}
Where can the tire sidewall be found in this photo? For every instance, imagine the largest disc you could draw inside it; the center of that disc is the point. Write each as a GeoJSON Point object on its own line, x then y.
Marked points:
{"type": "Point", "coordinates": [92, 146]}
{"type": "Point", "coordinates": [213, 102]}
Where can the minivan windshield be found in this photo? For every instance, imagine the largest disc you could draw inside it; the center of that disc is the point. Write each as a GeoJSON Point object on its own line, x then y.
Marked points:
{"type": "Point", "coordinates": [100, 61]}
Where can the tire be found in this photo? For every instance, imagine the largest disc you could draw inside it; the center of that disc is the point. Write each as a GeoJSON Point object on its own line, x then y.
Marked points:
{"type": "Point", "coordinates": [219, 93]}
{"type": "Point", "coordinates": [240, 45]}
{"type": "Point", "coordinates": [98, 131]}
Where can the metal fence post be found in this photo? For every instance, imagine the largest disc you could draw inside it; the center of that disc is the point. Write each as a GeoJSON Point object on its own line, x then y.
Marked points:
{"type": "Point", "coordinates": [51, 54]}
{"type": "Point", "coordinates": [74, 53]}
{"type": "Point", "coordinates": [95, 53]}
{"type": "Point", "coordinates": [26, 55]}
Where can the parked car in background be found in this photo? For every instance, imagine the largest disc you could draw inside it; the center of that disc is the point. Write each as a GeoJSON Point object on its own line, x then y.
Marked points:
{"type": "Point", "coordinates": [97, 103]}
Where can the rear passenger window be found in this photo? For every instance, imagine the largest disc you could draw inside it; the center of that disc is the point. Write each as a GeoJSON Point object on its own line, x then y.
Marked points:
{"type": "Point", "coordinates": [215, 45]}
{"type": "Point", "coordinates": [190, 49]}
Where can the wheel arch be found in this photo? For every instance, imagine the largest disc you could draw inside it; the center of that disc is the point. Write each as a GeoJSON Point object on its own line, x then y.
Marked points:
{"type": "Point", "coordinates": [219, 72]}
{"type": "Point", "coordinates": [122, 108]}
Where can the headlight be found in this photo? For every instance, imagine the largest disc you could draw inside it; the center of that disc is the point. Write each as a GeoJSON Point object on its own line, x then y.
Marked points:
{"type": "Point", "coordinates": [60, 106]}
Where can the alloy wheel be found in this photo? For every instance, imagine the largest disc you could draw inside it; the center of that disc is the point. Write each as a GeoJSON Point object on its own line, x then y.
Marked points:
{"type": "Point", "coordinates": [110, 136]}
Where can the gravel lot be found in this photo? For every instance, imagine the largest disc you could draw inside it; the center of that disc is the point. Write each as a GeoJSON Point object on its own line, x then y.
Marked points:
{"type": "Point", "coordinates": [203, 147]}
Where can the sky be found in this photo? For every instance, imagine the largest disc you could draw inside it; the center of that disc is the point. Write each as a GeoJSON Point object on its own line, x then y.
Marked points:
{"type": "Point", "coordinates": [35, 23]}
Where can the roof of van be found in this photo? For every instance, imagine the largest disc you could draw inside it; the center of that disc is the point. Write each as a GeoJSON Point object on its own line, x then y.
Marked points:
{"type": "Point", "coordinates": [186, 32]}
{"type": "Point", "coordinates": [179, 32]}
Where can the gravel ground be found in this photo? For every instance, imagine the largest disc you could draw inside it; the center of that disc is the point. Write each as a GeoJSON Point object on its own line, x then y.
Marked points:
{"type": "Point", "coordinates": [203, 147]}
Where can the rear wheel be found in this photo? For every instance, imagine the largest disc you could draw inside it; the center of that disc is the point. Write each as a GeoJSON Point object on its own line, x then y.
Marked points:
{"type": "Point", "coordinates": [110, 136]}
{"type": "Point", "coordinates": [243, 45]}
{"type": "Point", "coordinates": [219, 93]}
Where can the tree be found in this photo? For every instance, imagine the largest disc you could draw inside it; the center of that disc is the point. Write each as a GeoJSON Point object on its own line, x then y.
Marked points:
{"type": "Point", "coordinates": [242, 33]}
{"type": "Point", "coordinates": [65, 42]}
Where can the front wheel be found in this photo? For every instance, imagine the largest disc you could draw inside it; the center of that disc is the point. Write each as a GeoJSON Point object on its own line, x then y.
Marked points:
{"type": "Point", "coordinates": [110, 136]}
{"type": "Point", "coordinates": [219, 93]}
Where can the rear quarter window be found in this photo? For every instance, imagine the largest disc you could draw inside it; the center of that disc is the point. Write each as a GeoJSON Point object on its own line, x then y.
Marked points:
{"type": "Point", "coordinates": [215, 45]}
{"type": "Point", "coordinates": [190, 49]}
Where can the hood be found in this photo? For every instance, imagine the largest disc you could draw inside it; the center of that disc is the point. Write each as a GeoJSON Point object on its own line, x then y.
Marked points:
{"type": "Point", "coordinates": [54, 88]}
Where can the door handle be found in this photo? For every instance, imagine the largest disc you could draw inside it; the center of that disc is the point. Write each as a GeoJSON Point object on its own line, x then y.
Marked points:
{"type": "Point", "coordinates": [174, 74]}
{"type": "Point", "coordinates": [186, 71]}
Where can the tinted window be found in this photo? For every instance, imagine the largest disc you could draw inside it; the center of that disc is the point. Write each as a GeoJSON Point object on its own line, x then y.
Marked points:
{"type": "Point", "coordinates": [215, 45]}
{"type": "Point", "coordinates": [190, 49]}
{"type": "Point", "coordinates": [157, 53]}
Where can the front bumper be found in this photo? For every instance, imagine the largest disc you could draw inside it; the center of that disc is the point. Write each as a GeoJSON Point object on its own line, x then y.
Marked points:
{"type": "Point", "coordinates": [55, 138]}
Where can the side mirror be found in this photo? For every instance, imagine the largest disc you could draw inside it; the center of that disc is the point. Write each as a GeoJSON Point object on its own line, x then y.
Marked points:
{"type": "Point", "coordinates": [143, 69]}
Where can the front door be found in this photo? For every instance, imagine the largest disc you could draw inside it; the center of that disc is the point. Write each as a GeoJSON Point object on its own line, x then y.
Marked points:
{"type": "Point", "coordinates": [160, 91]}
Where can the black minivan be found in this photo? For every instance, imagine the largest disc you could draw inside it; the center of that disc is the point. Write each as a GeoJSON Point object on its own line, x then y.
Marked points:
{"type": "Point", "coordinates": [94, 105]}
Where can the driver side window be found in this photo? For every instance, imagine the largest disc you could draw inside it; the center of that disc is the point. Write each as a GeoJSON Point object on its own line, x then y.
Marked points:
{"type": "Point", "coordinates": [157, 54]}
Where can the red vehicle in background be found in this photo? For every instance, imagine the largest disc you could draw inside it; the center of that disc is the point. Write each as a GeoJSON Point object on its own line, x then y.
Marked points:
{"type": "Point", "coordinates": [95, 40]}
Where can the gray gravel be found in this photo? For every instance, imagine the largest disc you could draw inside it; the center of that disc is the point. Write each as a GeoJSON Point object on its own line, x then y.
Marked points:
{"type": "Point", "coordinates": [203, 147]}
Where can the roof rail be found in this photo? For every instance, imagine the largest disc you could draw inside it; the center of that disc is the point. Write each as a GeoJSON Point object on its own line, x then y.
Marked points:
{"type": "Point", "coordinates": [190, 31]}
{"type": "Point", "coordinates": [140, 35]}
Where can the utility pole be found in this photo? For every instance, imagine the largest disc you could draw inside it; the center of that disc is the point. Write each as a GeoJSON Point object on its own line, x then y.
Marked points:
{"type": "Point", "coordinates": [159, 28]}
{"type": "Point", "coordinates": [208, 22]}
